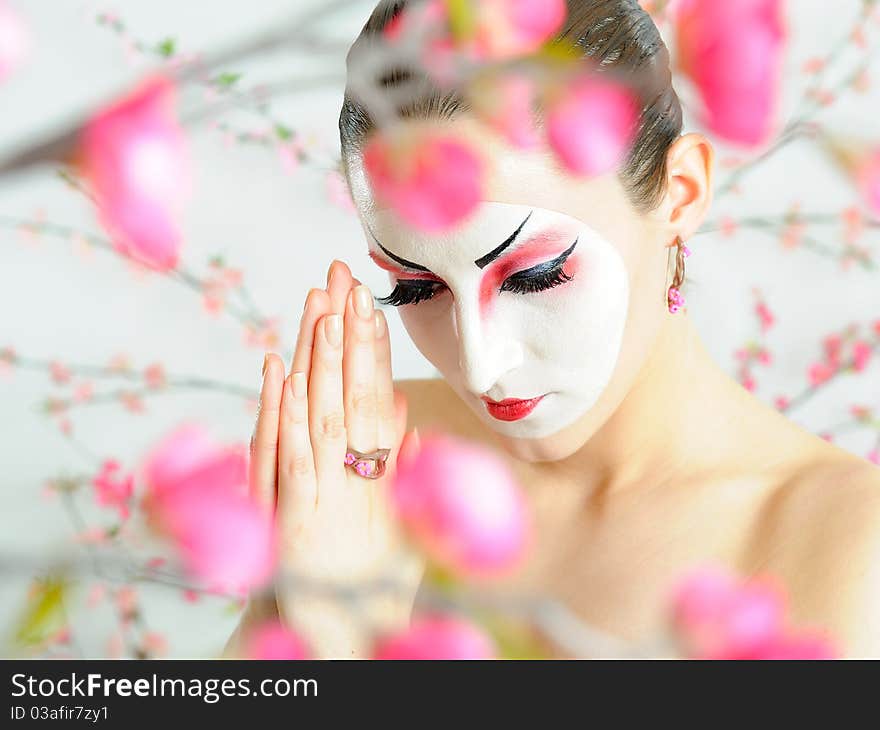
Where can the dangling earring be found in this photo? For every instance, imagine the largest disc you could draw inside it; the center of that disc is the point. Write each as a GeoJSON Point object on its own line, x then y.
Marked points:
{"type": "Point", "coordinates": [674, 299]}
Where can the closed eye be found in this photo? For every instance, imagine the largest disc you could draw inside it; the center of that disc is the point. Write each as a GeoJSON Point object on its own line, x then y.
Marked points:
{"type": "Point", "coordinates": [535, 279]}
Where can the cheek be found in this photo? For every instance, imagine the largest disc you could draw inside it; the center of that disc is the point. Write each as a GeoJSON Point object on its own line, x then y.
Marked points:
{"type": "Point", "coordinates": [430, 327]}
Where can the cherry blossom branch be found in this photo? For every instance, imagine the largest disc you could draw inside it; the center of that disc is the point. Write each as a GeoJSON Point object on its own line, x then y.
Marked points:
{"type": "Point", "coordinates": [180, 382]}
{"type": "Point", "coordinates": [247, 316]}
{"type": "Point", "coordinates": [568, 632]}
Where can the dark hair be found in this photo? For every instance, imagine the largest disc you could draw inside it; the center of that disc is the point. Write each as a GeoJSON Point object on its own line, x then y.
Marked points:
{"type": "Point", "coordinates": [613, 34]}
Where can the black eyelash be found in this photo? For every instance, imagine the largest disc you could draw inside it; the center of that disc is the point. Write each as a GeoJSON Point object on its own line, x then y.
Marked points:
{"type": "Point", "coordinates": [540, 282]}
{"type": "Point", "coordinates": [411, 292]}
{"type": "Point", "coordinates": [538, 278]}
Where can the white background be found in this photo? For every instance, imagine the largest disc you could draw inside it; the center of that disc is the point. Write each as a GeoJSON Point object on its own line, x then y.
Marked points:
{"type": "Point", "coordinates": [282, 231]}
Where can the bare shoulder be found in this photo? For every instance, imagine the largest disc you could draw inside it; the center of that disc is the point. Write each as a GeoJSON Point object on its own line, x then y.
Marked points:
{"type": "Point", "coordinates": [821, 534]}
{"type": "Point", "coordinates": [433, 404]}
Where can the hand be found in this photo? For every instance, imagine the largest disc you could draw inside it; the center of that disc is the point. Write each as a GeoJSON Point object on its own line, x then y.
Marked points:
{"type": "Point", "coordinates": [334, 525]}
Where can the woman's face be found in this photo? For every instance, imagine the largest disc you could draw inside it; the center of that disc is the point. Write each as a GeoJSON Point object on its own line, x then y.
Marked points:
{"type": "Point", "coordinates": [540, 307]}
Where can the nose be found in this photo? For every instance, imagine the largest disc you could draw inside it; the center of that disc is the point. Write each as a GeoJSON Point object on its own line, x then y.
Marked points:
{"type": "Point", "coordinates": [486, 352]}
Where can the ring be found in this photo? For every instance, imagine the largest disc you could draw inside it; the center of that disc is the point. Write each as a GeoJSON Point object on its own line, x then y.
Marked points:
{"type": "Point", "coordinates": [369, 465]}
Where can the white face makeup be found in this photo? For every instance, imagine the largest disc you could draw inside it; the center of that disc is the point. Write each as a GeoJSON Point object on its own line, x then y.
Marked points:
{"type": "Point", "coordinates": [517, 303]}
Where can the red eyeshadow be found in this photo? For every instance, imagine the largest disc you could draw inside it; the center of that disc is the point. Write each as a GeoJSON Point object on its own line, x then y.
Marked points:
{"type": "Point", "coordinates": [538, 249]}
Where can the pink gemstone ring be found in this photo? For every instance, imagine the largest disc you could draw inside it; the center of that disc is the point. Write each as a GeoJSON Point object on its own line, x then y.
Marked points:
{"type": "Point", "coordinates": [368, 465]}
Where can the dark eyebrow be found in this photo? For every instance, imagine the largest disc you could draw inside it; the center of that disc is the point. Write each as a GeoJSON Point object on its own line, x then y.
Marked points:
{"type": "Point", "coordinates": [481, 262]}
{"type": "Point", "coordinates": [484, 261]}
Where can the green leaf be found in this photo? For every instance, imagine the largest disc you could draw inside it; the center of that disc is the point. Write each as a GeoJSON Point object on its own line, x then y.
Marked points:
{"type": "Point", "coordinates": [167, 48]}
{"type": "Point", "coordinates": [462, 19]}
{"type": "Point", "coordinates": [44, 613]}
{"type": "Point", "coordinates": [227, 80]}
{"type": "Point", "coordinates": [283, 132]}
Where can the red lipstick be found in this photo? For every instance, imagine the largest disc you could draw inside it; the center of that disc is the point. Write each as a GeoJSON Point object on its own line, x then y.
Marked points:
{"type": "Point", "coordinates": [511, 409]}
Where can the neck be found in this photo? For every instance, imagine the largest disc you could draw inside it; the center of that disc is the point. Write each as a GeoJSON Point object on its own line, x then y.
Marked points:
{"type": "Point", "coordinates": [675, 420]}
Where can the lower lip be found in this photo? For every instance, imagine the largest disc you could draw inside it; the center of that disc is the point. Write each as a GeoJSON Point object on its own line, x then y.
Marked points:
{"type": "Point", "coordinates": [512, 410]}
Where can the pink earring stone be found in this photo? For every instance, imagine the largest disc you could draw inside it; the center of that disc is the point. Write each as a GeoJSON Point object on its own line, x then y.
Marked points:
{"type": "Point", "coordinates": [349, 459]}
{"type": "Point", "coordinates": [676, 300]}
{"type": "Point", "coordinates": [686, 251]}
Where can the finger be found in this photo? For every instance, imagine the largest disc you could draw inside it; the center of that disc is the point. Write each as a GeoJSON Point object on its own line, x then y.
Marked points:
{"type": "Point", "coordinates": [386, 435]}
{"type": "Point", "coordinates": [326, 411]}
{"type": "Point", "coordinates": [317, 305]}
{"type": "Point", "coordinates": [359, 371]}
{"type": "Point", "coordinates": [264, 444]}
{"type": "Point", "coordinates": [339, 283]}
{"type": "Point", "coordinates": [297, 482]}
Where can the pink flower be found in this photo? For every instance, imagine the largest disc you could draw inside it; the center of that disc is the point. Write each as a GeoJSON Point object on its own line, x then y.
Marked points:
{"type": "Point", "coordinates": [272, 640]}
{"type": "Point", "coordinates": [591, 125]}
{"type": "Point", "coordinates": [134, 155]}
{"type": "Point", "coordinates": [436, 637]}
{"type": "Point", "coordinates": [113, 490]}
{"type": "Point", "coordinates": [509, 28]}
{"type": "Point", "coordinates": [59, 372]}
{"type": "Point", "coordinates": [820, 372]}
{"type": "Point", "coordinates": [461, 504]}
{"type": "Point", "coordinates": [719, 617]}
{"type": "Point", "coordinates": [874, 456]}
{"type": "Point", "coordinates": [155, 376]}
{"type": "Point", "coordinates": [197, 497]}
{"type": "Point", "coordinates": [338, 192]}
{"type": "Point", "coordinates": [869, 181]}
{"type": "Point", "coordinates": [862, 352]}
{"type": "Point", "coordinates": [431, 180]}
{"type": "Point", "coordinates": [765, 316]}
{"type": "Point", "coordinates": [733, 53]}
{"type": "Point", "coordinates": [14, 41]}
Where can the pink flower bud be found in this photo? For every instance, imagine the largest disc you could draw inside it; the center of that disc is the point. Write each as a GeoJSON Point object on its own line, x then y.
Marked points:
{"type": "Point", "coordinates": [733, 52]}
{"type": "Point", "coordinates": [462, 505]}
{"type": "Point", "coordinates": [591, 125]}
{"type": "Point", "coordinates": [869, 181]}
{"type": "Point", "coordinates": [431, 180]}
{"type": "Point", "coordinates": [510, 28]}
{"type": "Point", "coordinates": [197, 497]}
{"type": "Point", "coordinates": [14, 41]}
{"type": "Point", "coordinates": [719, 617]}
{"type": "Point", "coordinates": [134, 156]}
{"type": "Point", "coordinates": [272, 640]}
{"type": "Point", "coordinates": [437, 637]}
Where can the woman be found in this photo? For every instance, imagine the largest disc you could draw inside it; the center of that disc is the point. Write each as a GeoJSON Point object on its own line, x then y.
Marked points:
{"type": "Point", "coordinates": [552, 316]}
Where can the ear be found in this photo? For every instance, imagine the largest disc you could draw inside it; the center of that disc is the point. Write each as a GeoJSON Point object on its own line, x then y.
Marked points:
{"type": "Point", "coordinates": [690, 166]}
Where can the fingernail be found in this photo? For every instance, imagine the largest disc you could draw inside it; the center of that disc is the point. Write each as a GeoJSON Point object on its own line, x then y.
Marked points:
{"type": "Point", "coordinates": [379, 320]}
{"type": "Point", "coordinates": [330, 271]}
{"type": "Point", "coordinates": [363, 302]}
{"type": "Point", "coordinates": [308, 299]}
{"type": "Point", "coordinates": [333, 329]}
{"type": "Point", "coordinates": [299, 385]}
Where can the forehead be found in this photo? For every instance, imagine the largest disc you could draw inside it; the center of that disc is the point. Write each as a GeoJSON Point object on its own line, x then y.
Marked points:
{"type": "Point", "coordinates": [521, 179]}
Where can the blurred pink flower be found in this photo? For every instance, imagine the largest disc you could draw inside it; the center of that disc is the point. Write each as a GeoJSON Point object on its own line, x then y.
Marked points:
{"type": "Point", "coordinates": [462, 505]}
{"type": "Point", "coordinates": [733, 53]}
{"type": "Point", "coordinates": [135, 157]}
{"type": "Point", "coordinates": [591, 125]}
{"type": "Point", "coordinates": [820, 372]}
{"type": "Point", "coordinates": [861, 354]}
{"type": "Point", "coordinates": [14, 41]}
{"type": "Point", "coordinates": [433, 181]}
{"type": "Point", "coordinates": [874, 456]}
{"type": "Point", "coordinates": [112, 489]}
{"type": "Point", "coordinates": [718, 616]}
{"type": "Point", "coordinates": [272, 640]}
{"type": "Point", "coordinates": [197, 497]}
{"type": "Point", "coordinates": [436, 637]}
{"type": "Point", "coordinates": [869, 181]}
{"type": "Point", "coordinates": [510, 28]}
